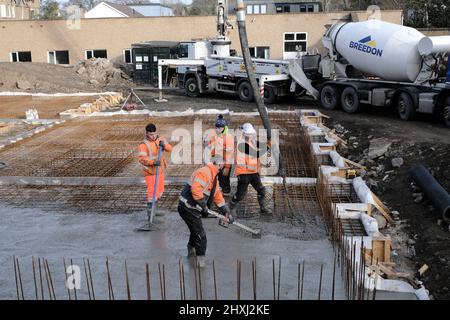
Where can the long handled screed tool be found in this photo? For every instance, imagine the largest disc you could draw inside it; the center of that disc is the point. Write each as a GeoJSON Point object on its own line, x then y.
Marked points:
{"type": "Point", "coordinates": [256, 233]}
{"type": "Point", "coordinates": [151, 213]}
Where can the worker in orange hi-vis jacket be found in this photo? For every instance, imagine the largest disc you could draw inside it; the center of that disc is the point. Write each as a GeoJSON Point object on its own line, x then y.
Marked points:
{"type": "Point", "coordinates": [221, 144]}
{"type": "Point", "coordinates": [148, 158]}
{"type": "Point", "coordinates": [195, 200]}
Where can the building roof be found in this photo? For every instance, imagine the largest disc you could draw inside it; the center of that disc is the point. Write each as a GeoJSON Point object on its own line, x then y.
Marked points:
{"type": "Point", "coordinates": [126, 10]}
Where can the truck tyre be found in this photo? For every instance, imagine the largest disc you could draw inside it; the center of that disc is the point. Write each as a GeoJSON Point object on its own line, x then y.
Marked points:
{"type": "Point", "coordinates": [245, 91]}
{"type": "Point", "coordinates": [269, 95]}
{"type": "Point", "coordinates": [350, 100]}
{"type": "Point", "coordinates": [446, 113]}
{"type": "Point", "coordinates": [191, 87]}
{"type": "Point", "coordinates": [329, 97]}
{"type": "Point", "coordinates": [405, 106]}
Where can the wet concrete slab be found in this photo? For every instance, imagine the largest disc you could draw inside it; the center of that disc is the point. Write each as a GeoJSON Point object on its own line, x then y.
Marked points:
{"type": "Point", "coordinates": [32, 232]}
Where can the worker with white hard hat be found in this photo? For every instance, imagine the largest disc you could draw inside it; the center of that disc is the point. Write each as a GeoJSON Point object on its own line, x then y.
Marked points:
{"type": "Point", "coordinates": [248, 168]}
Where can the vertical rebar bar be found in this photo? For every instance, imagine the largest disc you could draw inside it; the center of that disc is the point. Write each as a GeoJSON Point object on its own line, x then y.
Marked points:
{"type": "Point", "coordinates": [320, 281]}
{"type": "Point", "coordinates": [179, 275]}
{"type": "Point", "coordinates": [195, 278]}
{"type": "Point", "coordinates": [254, 277]}
{"type": "Point", "coordinates": [279, 277]}
{"type": "Point", "coordinates": [298, 281]}
{"type": "Point", "coordinates": [73, 275]}
{"type": "Point", "coordinates": [51, 280]}
{"type": "Point", "coordinates": [127, 281]}
{"type": "Point", "coordinates": [90, 278]}
{"type": "Point", "coordinates": [184, 284]}
{"type": "Point", "coordinates": [160, 281]}
{"type": "Point", "coordinates": [40, 279]}
{"type": "Point", "coordinates": [87, 278]}
{"type": "Point", "coordinates": [34, 278]}
{"type": "Point", "coordinates": [16, 278]}
{"type": "Point", "coordinates": [303, 278]}
{"type": "Point", "coordinates": [65, 274]}
{"type": "Point", "coordinates": [147, 278]}
{"type": "Point", "coordinates": [200, 283]}
{"type": "Point", "coordinates": [375, 282]}
{"type": "Point", "coordinates": [273, 273]}
{"type": "Point", "coordinates": [47, 279]}
{"type": "Point", "coordinates": [214, 277]}
{"type": "Point", "coordinates": [110, 287]}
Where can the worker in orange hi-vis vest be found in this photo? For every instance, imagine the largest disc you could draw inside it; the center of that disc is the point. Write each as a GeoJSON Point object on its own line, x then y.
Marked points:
{"type": "Point", "coordinates": [148, 158]}
{"type": "Point", "coordinates": [220, 144]}
{"type": "Point", "coordinates": [248, 167]}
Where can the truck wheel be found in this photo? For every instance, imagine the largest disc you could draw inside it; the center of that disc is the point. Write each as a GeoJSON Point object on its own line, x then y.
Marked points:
{"type": "Point", "coordinates": [446, 113]}
{"type": "Point", "coordinates": [350, 100]}
{"type": "Point", "coordinates": [269, 95]}
{"type": "Point", "coordinates": [405, 107]}
{"type": "Point", "coordinates": [191, 87]}
{"type": "Point", "coordinates": [245, 91]}
{"type": "Point", "coordinates": [329, 97]}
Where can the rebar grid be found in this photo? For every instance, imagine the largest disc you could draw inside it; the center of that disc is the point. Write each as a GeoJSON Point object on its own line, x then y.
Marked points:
{"type": "Point", "coordinates": [114, 279]}
{"type": "Point", "coordinates": [293, 145]}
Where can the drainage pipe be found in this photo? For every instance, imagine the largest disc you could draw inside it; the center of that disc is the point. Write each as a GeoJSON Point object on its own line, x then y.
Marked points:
{"type": "Point", "coordinates": [438, 196]}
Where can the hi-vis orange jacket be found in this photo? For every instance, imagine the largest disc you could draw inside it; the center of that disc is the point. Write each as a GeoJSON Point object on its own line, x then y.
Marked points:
{"type": "Point", "coordinates": [148, 153]}
{"type": "Point", "coordinates": [247, 163]}
{"type": "Point", "coordinates": [221, 145]}
{"type": "Point", "coordinates": [202, 182]}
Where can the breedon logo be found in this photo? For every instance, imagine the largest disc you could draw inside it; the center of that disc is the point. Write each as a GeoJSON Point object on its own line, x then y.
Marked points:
{"type": "Point", "coordinates": [367, 45]}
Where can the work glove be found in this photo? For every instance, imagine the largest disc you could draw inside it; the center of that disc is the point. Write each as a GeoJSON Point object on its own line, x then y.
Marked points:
{"type": "Point", "coordinates": [157, 163]}
{"type": "Point", "coordinates": [225, 210]}
{"type": "Point", "coordinates": [162, 143]}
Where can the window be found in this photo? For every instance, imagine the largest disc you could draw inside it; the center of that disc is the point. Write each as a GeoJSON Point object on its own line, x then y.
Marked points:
{"type": "Point", "coordinates": [257, 9]}
{"type": "Point", "coordinates": [58, 57]}
{"type": "Point", "coordinates": [127, 56]}
{"type": "Point", "coordinates": [96, 54]}
{"type": "Point", "coordinates": [310, 8]}
{"type": "Point", "coordinates": [293, 43]}
{"type": "Point", "coordinates": [260, 52]}
{"type": "Point", "coordinates": [20, 56]}
{"type": "Point", "coordinates": [263, 9]}
{"type": "Point", "coordinates": [302, 8]}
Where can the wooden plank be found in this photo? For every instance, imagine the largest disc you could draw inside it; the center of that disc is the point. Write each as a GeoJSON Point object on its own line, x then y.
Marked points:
{"type": "Point", "coordinates": [355, 164]}
{"type": "Point", "coordinates": [382, 208]}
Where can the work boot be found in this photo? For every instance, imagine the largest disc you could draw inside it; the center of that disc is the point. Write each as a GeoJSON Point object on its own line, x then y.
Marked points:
{"type": "Point", "coordinates": [201, 261]}
{"type": "Point", "coordinates": [263, 206]}
{"type": "Point", "coordinates": [191, 251]}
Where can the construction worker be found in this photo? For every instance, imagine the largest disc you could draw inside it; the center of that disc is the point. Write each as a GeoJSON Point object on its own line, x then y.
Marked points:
{"type": "Point", "coordinates": [248, 168]}
{"type": "Point", "coordinates": [221, 144]}
{"type": "Point", "coordinates": [148, 158]}
{"type": "Point", "coordinates": [195, 200]}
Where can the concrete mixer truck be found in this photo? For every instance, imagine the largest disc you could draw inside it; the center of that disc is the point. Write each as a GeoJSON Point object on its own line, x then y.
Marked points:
{"type": "Point", "coordinates": [380, 64]}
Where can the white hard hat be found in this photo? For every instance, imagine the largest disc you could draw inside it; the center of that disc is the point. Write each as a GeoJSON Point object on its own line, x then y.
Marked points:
{"type": "Point", "coordinates": [248, 129]}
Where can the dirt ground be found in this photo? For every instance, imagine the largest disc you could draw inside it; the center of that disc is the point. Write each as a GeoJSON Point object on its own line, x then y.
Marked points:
{"type": "Point", "coordinates": [418, 239]}
{"type": "Point", "coordinates": [14, 107]}
{"type": "Point", "coordinates": [47, 78]}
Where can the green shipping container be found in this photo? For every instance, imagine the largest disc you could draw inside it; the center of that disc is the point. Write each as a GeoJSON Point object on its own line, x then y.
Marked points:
{"type": "Point", "coordinates": [145, 59]}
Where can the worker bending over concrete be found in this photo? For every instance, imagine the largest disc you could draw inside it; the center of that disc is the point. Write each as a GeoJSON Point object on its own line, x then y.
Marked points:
{"type": "Point", "coordinates": [221, 144]}
{"type": "Point", "coordinates": [148, 158]}
{"type": "Point", "coordinates": [248, 168]}
{"type": "Point", "coordinates": [201, 190]}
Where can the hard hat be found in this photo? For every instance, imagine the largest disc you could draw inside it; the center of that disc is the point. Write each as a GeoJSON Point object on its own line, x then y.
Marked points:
{"type": "Point", "coordinates": [221, 122]}
{"type": "Point", "coordinates": [248, 129]}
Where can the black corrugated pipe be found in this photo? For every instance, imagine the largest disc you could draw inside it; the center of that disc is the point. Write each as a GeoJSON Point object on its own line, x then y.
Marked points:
{"type": "Point", "coordinates": [438, 196]}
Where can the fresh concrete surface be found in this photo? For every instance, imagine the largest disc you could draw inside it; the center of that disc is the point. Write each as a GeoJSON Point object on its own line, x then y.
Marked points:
{"type": "Point", "coordinates": [32, 232]}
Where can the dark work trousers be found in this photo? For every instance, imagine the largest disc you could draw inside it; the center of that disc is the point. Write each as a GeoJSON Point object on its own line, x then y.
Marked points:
{"type": "Point", "coordinates": [193, 219]}
{"type": "Point", "coordinates": [243, 181]}
{"type": "Point", "coordinates": [224, 182]}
